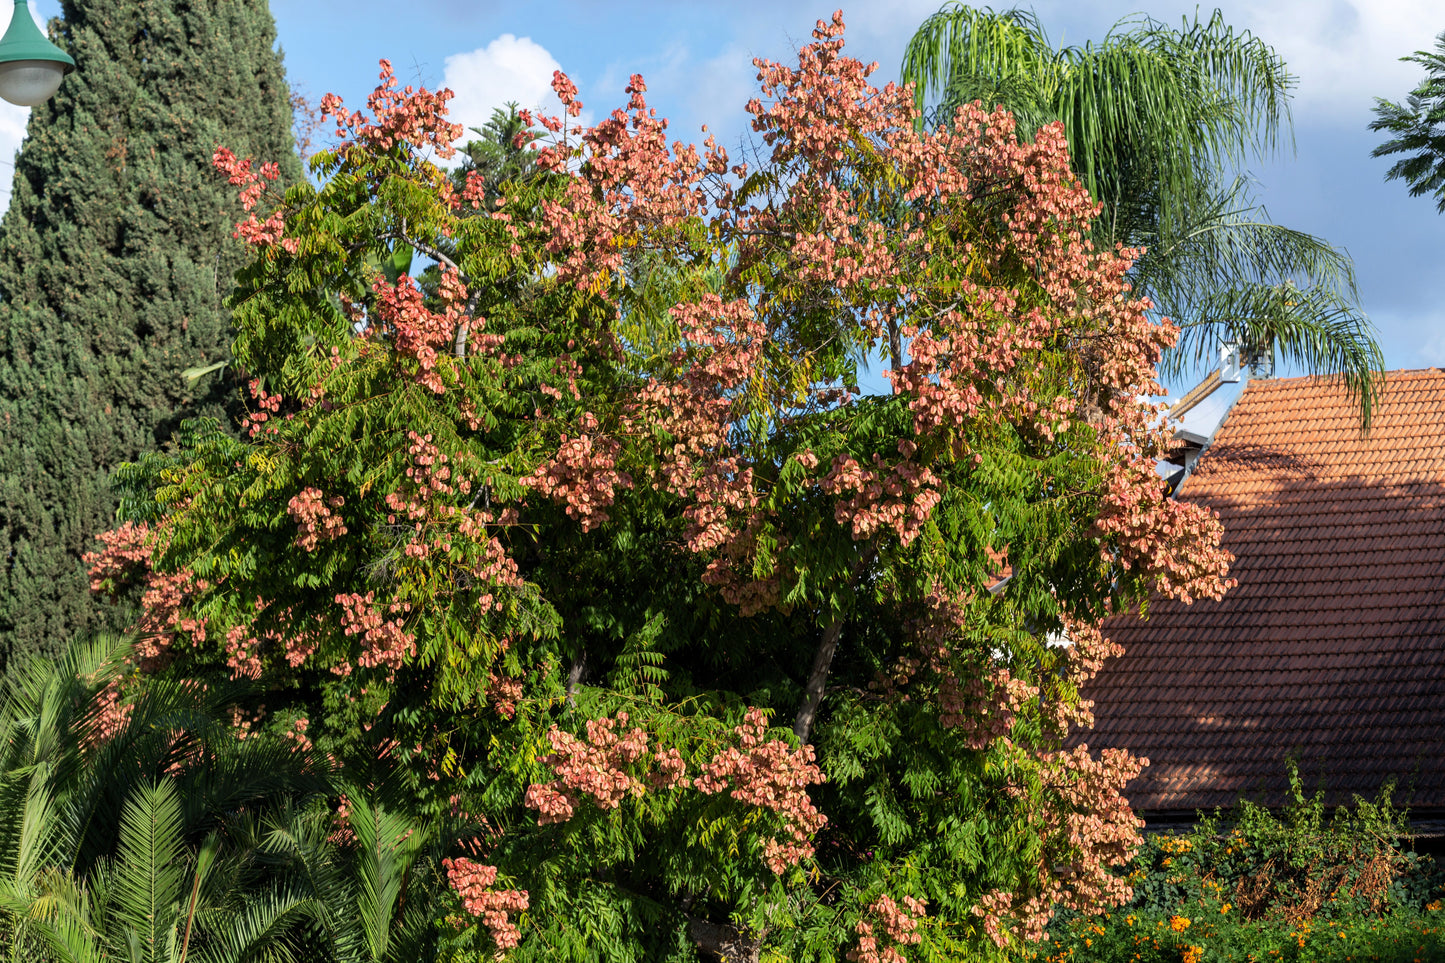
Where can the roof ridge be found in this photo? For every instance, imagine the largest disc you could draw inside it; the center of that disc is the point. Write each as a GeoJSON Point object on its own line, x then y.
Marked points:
{"type": "Point", "coordinates": [1334, 378]}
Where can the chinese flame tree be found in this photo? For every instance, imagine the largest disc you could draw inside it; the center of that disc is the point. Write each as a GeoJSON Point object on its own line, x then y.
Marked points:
{"type": "Point", "coordinates": [595, 541]}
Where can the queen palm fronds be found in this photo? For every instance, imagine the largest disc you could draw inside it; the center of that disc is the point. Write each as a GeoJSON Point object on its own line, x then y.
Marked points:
{"type": "Point", "coordinates": [1160, 121]}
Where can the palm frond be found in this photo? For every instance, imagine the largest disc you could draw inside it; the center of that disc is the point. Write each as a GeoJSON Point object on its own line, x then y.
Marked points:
{"type": "Point", "coordinates": [387, 843]}
{"type": "Point", "coordinates": [1246, 78]}
{"type": "Point", "coordinates": [958, 42]}
{"type": "Point", "coordinates": [1312, 327]}
{"type": "Point", "coordinates": [1157, 117]}
{"type": "Point", "coordinates": [1225, 272]}
{"type": "Point", "coordinates": [62, 918]}
{"type": "Point", "coordinates": [150, 868]}
{"type": "Point", "coordinates": [1418, 127]}
{"type": "Point", "coordinates": [265, 928]}
{"type": "Point", "coordinates": [37, 842]}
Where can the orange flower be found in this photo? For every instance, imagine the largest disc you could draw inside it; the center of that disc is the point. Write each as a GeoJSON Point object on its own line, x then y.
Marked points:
{"type": "Point", "coordinates": [1179, 923]}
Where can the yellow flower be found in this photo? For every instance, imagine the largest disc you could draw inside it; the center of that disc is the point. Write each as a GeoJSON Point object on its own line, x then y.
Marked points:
{"type": "Point", "coordinates": [1179, 923]}
{"type": "Point", "coordinates": [1225, 908]}
{"type": "Point", "coordinates": [1192, 954]}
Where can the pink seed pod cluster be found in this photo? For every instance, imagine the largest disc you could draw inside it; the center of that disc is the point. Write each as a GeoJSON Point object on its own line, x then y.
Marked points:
{"type": "Point", "coordinates": [472, 881]}
{"type": "Point", "coordinates": [385, 641]}
{"type": "Point", "coordinates": [887, 927]}
{"type": "Point", "coordinates": [124, 558]}
{"type": "Point", "coordinates": [253, 185]}
{"type": "Point", "coordinates": [1087, 832]}
{"type": "Point", "coordinates": [126, 561]}
{"type": "Point", "coordinates": [297, 735]}
{"type": "Point", "coordinates": [315, 519]}
{"type": "Point", "coordinates": [600, 767]}
{"type": "Point", "coordinates": [583, 477]}
{"type": "Point", "coordinates": [403, 119]}
{"type": "Point", "coordinates": [503, 694]}
{"type": "Point", "coordinates": [266, 406]}
{"type": "Point", "coordinates": [899, 495]}
{"type": "Point", "coordinates": [417, 332]}
{"type": "Point", "coordinates": [770, 774]}
{"type": "Point", "coordinates": [108, 717]}
{"type": "Point", "coordinates": [983, 709]}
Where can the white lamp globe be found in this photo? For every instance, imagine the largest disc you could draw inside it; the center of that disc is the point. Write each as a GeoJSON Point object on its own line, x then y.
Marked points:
{"type": "Point", "coordinates": [30, 83]}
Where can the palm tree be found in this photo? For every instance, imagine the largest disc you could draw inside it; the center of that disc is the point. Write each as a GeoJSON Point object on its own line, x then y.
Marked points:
{"type": "Point", "coordinates": [1418, 128]}
{"type": "Point", "coordinates": [1159, 122]}
{"type": "Point", "coordinates": [160, 901]}
{"type": "Point", "coordinates": [118, 828]}
{"type": "Point", "coordinates": [375, 896]}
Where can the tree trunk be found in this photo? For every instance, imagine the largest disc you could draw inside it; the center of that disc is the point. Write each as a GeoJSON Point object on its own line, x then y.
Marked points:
{"type": "Point", "coordinates": [817, 680]}
{"type": "Point", "coordinates": [823, 660]}
{"type": "Point", "coordinates": [724, 942]}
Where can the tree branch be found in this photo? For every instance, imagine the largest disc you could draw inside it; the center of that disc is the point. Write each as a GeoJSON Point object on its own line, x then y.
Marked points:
{"type": "Point", "coordinates": [574, 676]}
{"type": "Point", "coordinates": [823, 661]}
{"type": "Point", "coordinates": [460, 347]}
{"type": "Point", "coordinates": [817, 679]}
{"type": "Point", "coordinates": [432, 252]}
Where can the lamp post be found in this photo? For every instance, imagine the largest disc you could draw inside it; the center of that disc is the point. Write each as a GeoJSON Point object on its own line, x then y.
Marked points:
{"type": "Point", "coordinates": [31, 67]}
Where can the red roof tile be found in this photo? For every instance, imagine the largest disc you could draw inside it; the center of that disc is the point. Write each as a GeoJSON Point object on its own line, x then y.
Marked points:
{"type": "Point", "coordinates": [1332, 647]}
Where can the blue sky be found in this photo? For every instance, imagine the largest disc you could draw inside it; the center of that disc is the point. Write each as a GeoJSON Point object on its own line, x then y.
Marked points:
{"type": "Point", "coordinates": [697, 57]}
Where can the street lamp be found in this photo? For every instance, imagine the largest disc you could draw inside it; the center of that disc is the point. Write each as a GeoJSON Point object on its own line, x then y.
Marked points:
{"type": "Point", "coordinates": [31, 67]}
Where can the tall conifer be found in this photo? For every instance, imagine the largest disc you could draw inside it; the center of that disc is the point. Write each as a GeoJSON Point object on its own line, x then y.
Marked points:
{"type": "Point", "coordinates": [115, 257]}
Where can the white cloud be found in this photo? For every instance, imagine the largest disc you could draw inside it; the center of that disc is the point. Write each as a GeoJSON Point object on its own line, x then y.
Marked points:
{"type": "Point", "coordinates": [12, 132]}
{"type": "Point", "coordinates": [510, 68]}
{"type": "Point", "coordinates": [1346, 54]}
{"type": "Point", "coordinates": [722, 87]}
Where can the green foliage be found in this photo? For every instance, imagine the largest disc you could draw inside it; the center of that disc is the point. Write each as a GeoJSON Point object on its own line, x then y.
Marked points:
{"type": "Point", "coordinates": [1417, 129]}
{"type": "Point", "coordinates": [117, 825]}
{"type": "Point", "coordinates": [1254, 885]}
{"type": "Point", "coordinates": [115, 257]}
{"type": "Point", "coordinates": [1160, 122]}
{"type": "Point", "coordinates": [1406, 936]}
{"type": "Point", "coordinates": [501, 153]}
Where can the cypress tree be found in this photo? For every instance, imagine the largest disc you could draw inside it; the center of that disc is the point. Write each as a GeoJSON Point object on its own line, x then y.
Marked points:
{"type": "Point", "coordinates": [115, 258]}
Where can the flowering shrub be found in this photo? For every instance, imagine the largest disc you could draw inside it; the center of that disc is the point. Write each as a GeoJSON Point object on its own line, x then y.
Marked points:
{"type": "Point", "coordinates": [589, 532]}
{"type": "Point", "coordinates": [1252, 885]}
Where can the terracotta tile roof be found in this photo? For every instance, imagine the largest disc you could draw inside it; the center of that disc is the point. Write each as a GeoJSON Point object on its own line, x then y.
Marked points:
{"type": "Point", "coordinates": [1332, 647]}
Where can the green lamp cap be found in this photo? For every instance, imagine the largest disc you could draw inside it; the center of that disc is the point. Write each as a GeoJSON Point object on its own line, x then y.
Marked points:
{"type": "Point", "coordinates": [24, 41]}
